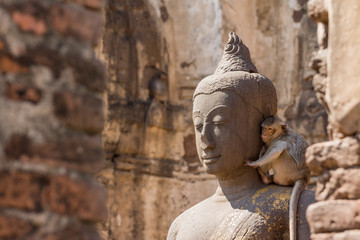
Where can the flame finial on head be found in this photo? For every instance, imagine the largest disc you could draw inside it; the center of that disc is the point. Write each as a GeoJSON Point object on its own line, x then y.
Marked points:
{"type": "Point", "coordinates": [236, 57]}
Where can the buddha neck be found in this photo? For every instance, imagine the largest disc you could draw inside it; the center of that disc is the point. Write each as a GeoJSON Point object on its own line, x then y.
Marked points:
{"type": "Point", "coordinates": [240, 185]}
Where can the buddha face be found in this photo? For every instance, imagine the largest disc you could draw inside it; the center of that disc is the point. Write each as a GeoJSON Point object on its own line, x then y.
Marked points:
{"type": "Point", "coordinates": [226, 133]}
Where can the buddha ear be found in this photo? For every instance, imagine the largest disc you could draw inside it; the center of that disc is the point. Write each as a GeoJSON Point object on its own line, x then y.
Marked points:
{"type": "Point", "coordinates": [267, 110]}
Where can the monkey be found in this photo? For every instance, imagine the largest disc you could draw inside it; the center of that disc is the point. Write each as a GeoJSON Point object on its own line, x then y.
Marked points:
{"type": "Point", "coordinates": [282, 161]}
{"type": "Point", "coordinates": [158, 91]}
{"type": "Point", "coordinates": [158, 87]}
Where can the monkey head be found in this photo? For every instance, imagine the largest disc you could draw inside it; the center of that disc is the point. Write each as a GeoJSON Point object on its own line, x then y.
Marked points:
{"type": "Point", "coordinates": [272, 127]}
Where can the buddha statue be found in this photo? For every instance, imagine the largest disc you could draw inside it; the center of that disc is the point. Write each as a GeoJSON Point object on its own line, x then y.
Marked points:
{"type": "Point", "coordinates": [228, 109]}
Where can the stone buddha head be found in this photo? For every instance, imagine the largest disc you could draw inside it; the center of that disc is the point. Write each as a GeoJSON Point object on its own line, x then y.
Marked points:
{"type": "Point", "coordinates": [228, 108]}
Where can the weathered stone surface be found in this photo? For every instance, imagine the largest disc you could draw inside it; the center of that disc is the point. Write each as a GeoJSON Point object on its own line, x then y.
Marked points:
{"type": "Point", "coordinates": [30, 16]}
{"type": "Point", "coordinates": [20, 92]}
{"type": "Point", "coordinates": [95, 4]}
{"type": "Point", "coordinates": [317, 10]}
{"type": "Point", "coordinates": [347, 235]}
{"type": "Point", "coordinates": [329, 155]}
{"type": "Point", "coordinates": [82, 112]}
{"type": "Point", "coordinates": [81, 153]}
{"type": "Point", "coordinates": [75, 21]}
{"type": "Point", "coordinates": [339, 184]}
{"type": "Point", "coordinates": [14, 228]}
{"type": "Point", "coordinates": [46, 166]}
{"type": "Point", "coordinates": [334, 216]}
{"type": "Point", "coordinates": [136, 203]}
{"type": "Point", "coordinates": [21, 190]}
{"type": "Point", "coordinates": [29, 23]}
{"type": "Point", "coordinates": [344, 40]}
{"type": "Point", "coordinates": [258, 23]}
{"type": "Point", "coordinates": [84, 199]}
{"type": "Point", "coordinates": [74, 231]}
{"type": "Point", "coordinates": [9, 65]}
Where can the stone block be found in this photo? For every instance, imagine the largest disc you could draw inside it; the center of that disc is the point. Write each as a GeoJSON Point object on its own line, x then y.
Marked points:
{"type": "Point", "coordinates": [340, 184]}
{"type": "Point", "coordinates": [334, 216]}
{"type": "Point", "coordinates": [83, 112]}
{"type": "Point", "coordinates": [88, 72]}
{"type": "Point", "coordinates": [77, 22]}
{"type": "Point", "coordinates": [21, 190]}
{"type": "Point", "coordinates": [9, 65]}
{"type": "Point", "coordinates": [30, 16]}
{"type": "Point", "coordinates": [347, 235]}
{"type": "Point", "coordinates": [82, 198]}
{"type": "Point", "coordinates": [21, 92]}
{"type": "Point", "coordinates": [317, 10]}
{"type": "Point", "coordinates": [343, 153]}
{"type": "Point", "coordinates": [94, 4]}
{"type": "Point", "coordinates": [29, 23]}
{"type": "Point", "coordinates": [17, 145]}
{"type": "Point", "coordinates": [14, 227]}
{"type": "Point", "coordinates": [2, 45]}
{"type": "Point", "coordinates": [73, 231]}
{"type": "Point", "coordinates": [83, 153]}
{"type": "Point", "coordinates": [344, 86]}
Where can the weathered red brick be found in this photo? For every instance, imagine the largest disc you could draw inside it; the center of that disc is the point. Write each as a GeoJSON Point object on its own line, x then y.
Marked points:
{"type": "Point", "coordinates": [13, 227]}
{"type": "Point", "coordinates": [85, 199]}
{"type": "Point", "coordinates": [17, 145]}
{"type": "Point", "coordinates": [84, 112]}
{"type": "Point", "coordinates": [21, 92]}
{"type": "Point", "coordinates": [75, 21]}
{"type": "Point", "coordinates": [28, 23]}
{"type": "Point", "coordinates": [94, 4]}
{"type": "Point", "coordinates": [83, 153]}
{"type": "Point", "coordinates": [90, 73]}
{"type": "Point", "coordinates": [80, 153]}
{"type": "Point", "coordinates": [2, 45]}
{"type": "Point", "coordinates": [8, 65]}
{"type": "Point", "coordinates": [21, 190]}
{"type": "Point", "coordinates": [73, 231]}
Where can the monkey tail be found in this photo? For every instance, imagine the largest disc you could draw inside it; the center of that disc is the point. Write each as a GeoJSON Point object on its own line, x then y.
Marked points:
{"type": "Point", "coordinates": [299, 186]}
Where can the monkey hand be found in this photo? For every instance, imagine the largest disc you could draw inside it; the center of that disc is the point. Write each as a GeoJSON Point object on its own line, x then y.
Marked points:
{"type": "Point", "coordinates": [250, 163]}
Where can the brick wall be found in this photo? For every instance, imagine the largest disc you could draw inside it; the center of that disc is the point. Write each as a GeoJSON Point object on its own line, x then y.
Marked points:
{"type": "Point", "coordinates": [51, 116]}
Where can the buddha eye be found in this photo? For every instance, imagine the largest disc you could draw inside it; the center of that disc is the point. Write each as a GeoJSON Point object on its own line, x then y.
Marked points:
{"type": "Point", "coordinates": [219, 120]}
{"type": "Point", "coordinates": [198, 123]}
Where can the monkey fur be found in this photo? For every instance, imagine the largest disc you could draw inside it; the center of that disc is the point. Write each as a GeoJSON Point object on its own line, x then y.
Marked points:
{"type": "Point", "coordinates": [282, 161]}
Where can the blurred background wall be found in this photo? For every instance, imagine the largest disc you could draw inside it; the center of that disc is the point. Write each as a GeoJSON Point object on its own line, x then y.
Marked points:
{"type": "Point", "coordinates": [71, 70]}
{"type": "Point", "coordinates": [51, 117]}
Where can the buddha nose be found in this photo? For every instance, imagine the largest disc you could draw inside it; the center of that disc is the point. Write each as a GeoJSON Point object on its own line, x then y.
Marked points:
{"type": "Point", "coordinates": [207, 139]}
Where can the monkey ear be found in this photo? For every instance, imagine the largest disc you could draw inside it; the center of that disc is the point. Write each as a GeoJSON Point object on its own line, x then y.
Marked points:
{"type": "Point", "coordinates": [283, 125]}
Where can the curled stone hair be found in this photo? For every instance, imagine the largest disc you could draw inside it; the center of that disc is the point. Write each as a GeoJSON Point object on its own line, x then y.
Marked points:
{"type": "Point", "coordinates": [236, 73]}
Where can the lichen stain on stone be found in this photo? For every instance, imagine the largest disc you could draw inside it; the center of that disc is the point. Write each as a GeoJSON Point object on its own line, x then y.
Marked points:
{"type": "Point", "coordinates": [281, 199]}
{"type": "Point", "coordinates": [259, 193]}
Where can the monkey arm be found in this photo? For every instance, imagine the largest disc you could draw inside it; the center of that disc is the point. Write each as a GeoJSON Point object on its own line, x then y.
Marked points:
{"type": "Point", "coordinates": [272, 153]}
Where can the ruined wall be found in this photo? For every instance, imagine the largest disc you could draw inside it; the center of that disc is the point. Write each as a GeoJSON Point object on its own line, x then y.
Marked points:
{"type": "Point", "coordinates": [51, 115]}
{"type": "Point", "coordinates": [281, 39]}
{"type": "Point", "coordinates": [156, 51]}
{"type": "Point", "coordinates": [336, 162]}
